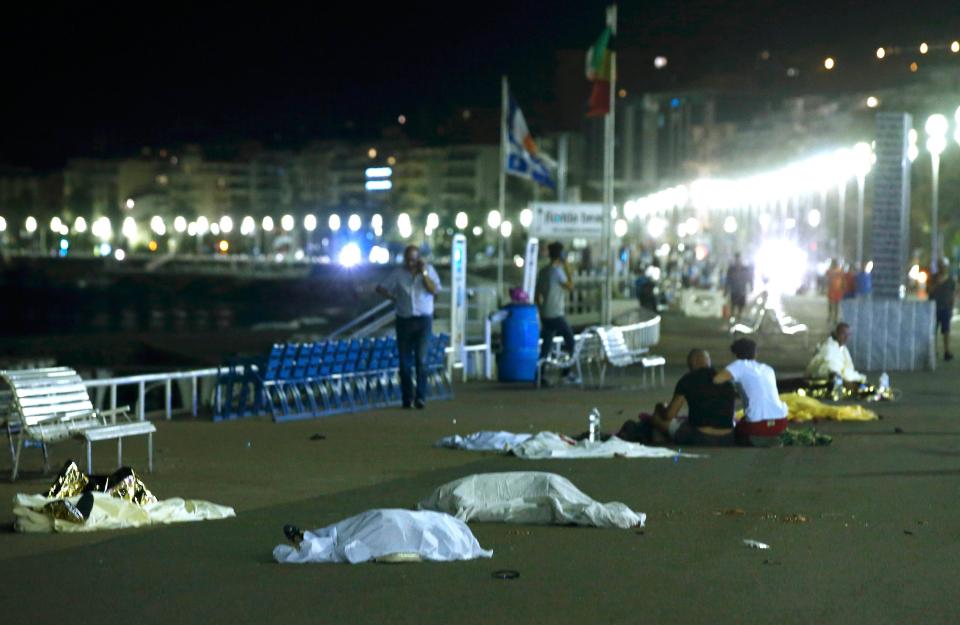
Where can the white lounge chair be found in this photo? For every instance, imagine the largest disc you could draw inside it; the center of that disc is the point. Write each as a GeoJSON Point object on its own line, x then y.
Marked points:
{"type": "Point", "coordinates": [50, 405]}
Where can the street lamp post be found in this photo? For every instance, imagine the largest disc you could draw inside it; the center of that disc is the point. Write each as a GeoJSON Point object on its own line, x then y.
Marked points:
{"type": "Point", "coordinates": [861, 166]}
{"type": "Point", "coordinates": [936, 128]}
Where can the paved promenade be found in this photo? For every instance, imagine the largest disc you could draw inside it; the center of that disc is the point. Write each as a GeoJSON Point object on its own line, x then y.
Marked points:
{"type": "Point", "coordinates": [880, 541]}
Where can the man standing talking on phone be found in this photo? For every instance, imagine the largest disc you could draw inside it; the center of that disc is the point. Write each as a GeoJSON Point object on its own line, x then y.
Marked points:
{"type": "Point", "coordinates": [412, 288]}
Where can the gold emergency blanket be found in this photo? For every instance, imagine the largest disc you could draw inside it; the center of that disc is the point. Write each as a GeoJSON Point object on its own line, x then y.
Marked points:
{"type": "Point", "coordinates": [110, 513]}
{"type": "Point", "coordinates": [803, 408]}
{"type": "Point", "coordinates": [77, 502]}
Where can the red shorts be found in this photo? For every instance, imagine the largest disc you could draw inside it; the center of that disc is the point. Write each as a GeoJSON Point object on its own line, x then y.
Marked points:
{"type": "Point", "coordinates": [747, 430]}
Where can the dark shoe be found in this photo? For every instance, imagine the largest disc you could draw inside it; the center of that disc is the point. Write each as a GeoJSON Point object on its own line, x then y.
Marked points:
{"type": "Point", "coordinates": [293, 533]}
{"type": "Point", "coordinates": [948, 356]}
{"type": "Point", "coordinates": [407, 406]}
{"type": "Point", "coordinates": [420, 404]}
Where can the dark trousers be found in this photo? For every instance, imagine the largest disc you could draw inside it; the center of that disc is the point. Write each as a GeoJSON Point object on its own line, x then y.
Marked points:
{"type": "Point", "coordinates": [550, 328]}
{"type": "Point", "coordinates": [413, 335]}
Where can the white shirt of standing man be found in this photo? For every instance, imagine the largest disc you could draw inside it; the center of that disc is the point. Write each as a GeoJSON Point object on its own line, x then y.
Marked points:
{"type": "Point", "coordinates": [412, 286]}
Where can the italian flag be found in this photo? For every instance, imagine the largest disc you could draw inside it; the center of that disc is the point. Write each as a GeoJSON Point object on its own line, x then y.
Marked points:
{"type": "Point", "coordinates": [598, 72]}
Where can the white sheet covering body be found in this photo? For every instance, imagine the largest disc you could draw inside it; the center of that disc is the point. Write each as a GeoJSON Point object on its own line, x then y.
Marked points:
{"type": "Point", "coordinates": [383, 532]}
{"type": "Point", "coordinates": [110, 513]}
{"type": "Point", "coordinates": [527, 497]}
{"type": "Point", "coordinates": [553, 445]}
{"type": "Point", "coordinates": [483, 441]}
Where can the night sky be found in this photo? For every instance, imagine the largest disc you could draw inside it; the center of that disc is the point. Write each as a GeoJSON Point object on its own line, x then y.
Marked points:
{"type": "Point", "coordinates": [86, 79]}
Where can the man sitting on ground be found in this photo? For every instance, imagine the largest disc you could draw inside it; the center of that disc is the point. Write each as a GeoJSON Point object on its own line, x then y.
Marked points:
{"type": "Point", "coordinates": [833, 359]}
{"type": "Point", "coordinates": [765, 415]}
{"type": "Point", "coordinates": [710, 410]}
{"type": "Point", "coordinates": [710, 407]}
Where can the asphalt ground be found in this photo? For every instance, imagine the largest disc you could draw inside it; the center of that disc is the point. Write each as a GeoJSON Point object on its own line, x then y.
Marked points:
{"type": "Point", "coordinates": [863, 531]}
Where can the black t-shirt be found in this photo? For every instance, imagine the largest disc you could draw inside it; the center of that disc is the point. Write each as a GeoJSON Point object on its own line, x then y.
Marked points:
{"type": "Point", "coordinates": [709, 404]}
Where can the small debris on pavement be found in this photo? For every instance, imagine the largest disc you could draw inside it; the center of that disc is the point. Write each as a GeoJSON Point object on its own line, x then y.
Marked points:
{"type": "Point", "coordinates": [318, 437]}
{"type": "Point", "coordinates": [754, 544]}
{"type": "Point", "coordinates": [731, 512]}
{"type": "Point", "coordinates": [506, 574]}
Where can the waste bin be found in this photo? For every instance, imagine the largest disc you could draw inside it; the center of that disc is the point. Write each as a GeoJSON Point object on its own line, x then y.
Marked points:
{"type": "Point", "coordinates": [520, 334]}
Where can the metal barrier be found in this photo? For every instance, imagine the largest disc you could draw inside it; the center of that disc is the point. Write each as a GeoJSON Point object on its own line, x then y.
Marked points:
{"type": "Point", "coordinates": [164, 380]}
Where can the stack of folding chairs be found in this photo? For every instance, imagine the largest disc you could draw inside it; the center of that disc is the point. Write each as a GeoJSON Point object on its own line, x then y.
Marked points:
{"type": "Point", "coordinates": [303, 380]}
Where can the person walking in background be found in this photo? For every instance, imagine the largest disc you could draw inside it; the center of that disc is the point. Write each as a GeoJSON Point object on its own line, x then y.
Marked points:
{"type": "Point", "coordinates": [836, 286]}
{"type": "Point", "coordinates": [864, 284]}
{"type": "Point", "coordinates": [553, 283]}
{"type": "Point", "coordinates": [412, 287]}
{"type": "Point", "coordinates": [944, 293]}
{"type": "Point", "coordinates": [737, 285]}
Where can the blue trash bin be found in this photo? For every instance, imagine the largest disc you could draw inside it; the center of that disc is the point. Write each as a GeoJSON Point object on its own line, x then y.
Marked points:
{"type": "Point", "coordinates": [517, 361]}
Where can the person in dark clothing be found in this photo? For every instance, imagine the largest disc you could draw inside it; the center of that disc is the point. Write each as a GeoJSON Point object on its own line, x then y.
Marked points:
{"type": "Point", "coordinates": [710, 409]}
{"type": "Point", "coordinates": [737, 285]}
{"type": "Point", "coordinates": [944, 294]}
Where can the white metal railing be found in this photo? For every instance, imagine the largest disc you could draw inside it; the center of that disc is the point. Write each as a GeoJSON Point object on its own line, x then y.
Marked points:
{"type": "Point", "coordinates": [165, 379]}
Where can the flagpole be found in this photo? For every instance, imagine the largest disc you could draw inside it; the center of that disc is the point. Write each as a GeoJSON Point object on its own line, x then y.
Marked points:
{"type": "Point", "coordinates": [608, 177]}
{"type": "Point", "coordinates": [502, 204]}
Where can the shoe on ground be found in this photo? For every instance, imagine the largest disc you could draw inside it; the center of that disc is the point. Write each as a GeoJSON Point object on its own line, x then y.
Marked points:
{"type": "Point", "coordinates": [407, 406]}
{"type": "Point", "coordinates": [420, 404]}
{"type": "Point", "coordinates": [293, 533]}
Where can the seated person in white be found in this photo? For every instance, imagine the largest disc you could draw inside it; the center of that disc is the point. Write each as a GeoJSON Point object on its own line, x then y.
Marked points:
{"type": "Point", "coordinates": [765, 415]}
{"type": "Point", "coordinates": [833, 358]}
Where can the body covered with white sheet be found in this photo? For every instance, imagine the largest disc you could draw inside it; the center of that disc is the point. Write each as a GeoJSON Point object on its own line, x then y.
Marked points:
{"type": "Point", "coordinates": [386, 532]}
{"type": "Point", "coordinates": [527, 497]}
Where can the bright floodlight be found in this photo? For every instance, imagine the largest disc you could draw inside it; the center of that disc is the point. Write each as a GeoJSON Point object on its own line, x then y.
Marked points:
{"type": "Point", "coordinates": [286, 223]}
{"type": "Point", "coordinates": [656, 226]}
{"type": "Point", "coordinates": [376, 222]}
{"type": "Point", "coordinates": [130, 204]}
{"type": "Point", "coordinates": [226, 224]}
{"type": "Point", "coordinates": [192, 229]}
{"type": "Point", "coordinates": [477, 231]}
{"type": "Point", "coordinates": [955, 46]}
{"type": "Point", "coordinates": [730, 224]}
{"type": "Point", "coordinates": [378, 172]}
{"type": "Point", "coordinates": [202, 225]}
{"type": "Point", "coordinates": [506, 229]}
{"type": "Point", "coordinates": [924, 48]}
{"type": "Point", "coordinates": [518, 261]}
{"type": "Point", "coordinates": [782, 265]}
{"type": "Point", "coordinates": [180, 223]}
{"type": "Point", "coordinates": [789, 223]}
{"type": "Point", "coordinates": [881, 53]}
{"type": "Point", "coordinates": [659, 62]}
{"type": "Point", "coordinates": [526, 217]}
{"type": "Point", "coordinates": [334, 222]}
{"type": "Point", "coordinates": [936, 128]}
{"type": "Point", "coordinates": [129, 228]}
{"type": "Point", "coordinates": [267, 224]}
{"type": "Point", "coordinates": [119, 254]}
{"type": "Point", "coordinates": [862, 157]}
{"type": "Point", "coordinates": [829, 63]}
{"type": "Point", "coordinates": [31, 224]}
{"type": "Point", "coordinates": [494, 218]}
{"type": "Point", "coordinates": [936, 125]}
{"type": "Point", "coordinates": [80, 224]}
{"type": "Point", "coordinates": [433, 221]}
{"type": "Point", "coordinates": [350, 255]}
{"type": "Point", "coordinates": [101, 228]}
{"type": "Point", "coordinates": [354, 222]}
{"type": "Point", "coordinates": [873, 102]}
{"type": "Point", "coordinates": [693, 225]}
{"type": "Point", "coordinates": [215, 229]}
{"type": "Point", "coordinates": [461, 221]}
{"type": "Point", "coordinates": [156, 224]}
{"type": "Point", "coordinates": [813, 218]}
{"type": "Point", "coordinates": [3, 224]}
{"type": "Point", "coordinates": [404, 225]}
{"type": "Point", "coordinates": [620, 228]}
{"type": "Point", "coordinates": [378, 185]}
{"type": "Point", "coordinates": [247, 226]}
{"type": "Point", "coordinates": [55, 224]}
{"type": "Point", "coordinates": [764, 220]}
{"type": "Point", "coordinates": [310, 222]}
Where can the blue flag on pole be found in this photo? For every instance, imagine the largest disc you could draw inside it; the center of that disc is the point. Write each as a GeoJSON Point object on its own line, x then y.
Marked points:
{"type": "Point", "coordinates": [523, 158]}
